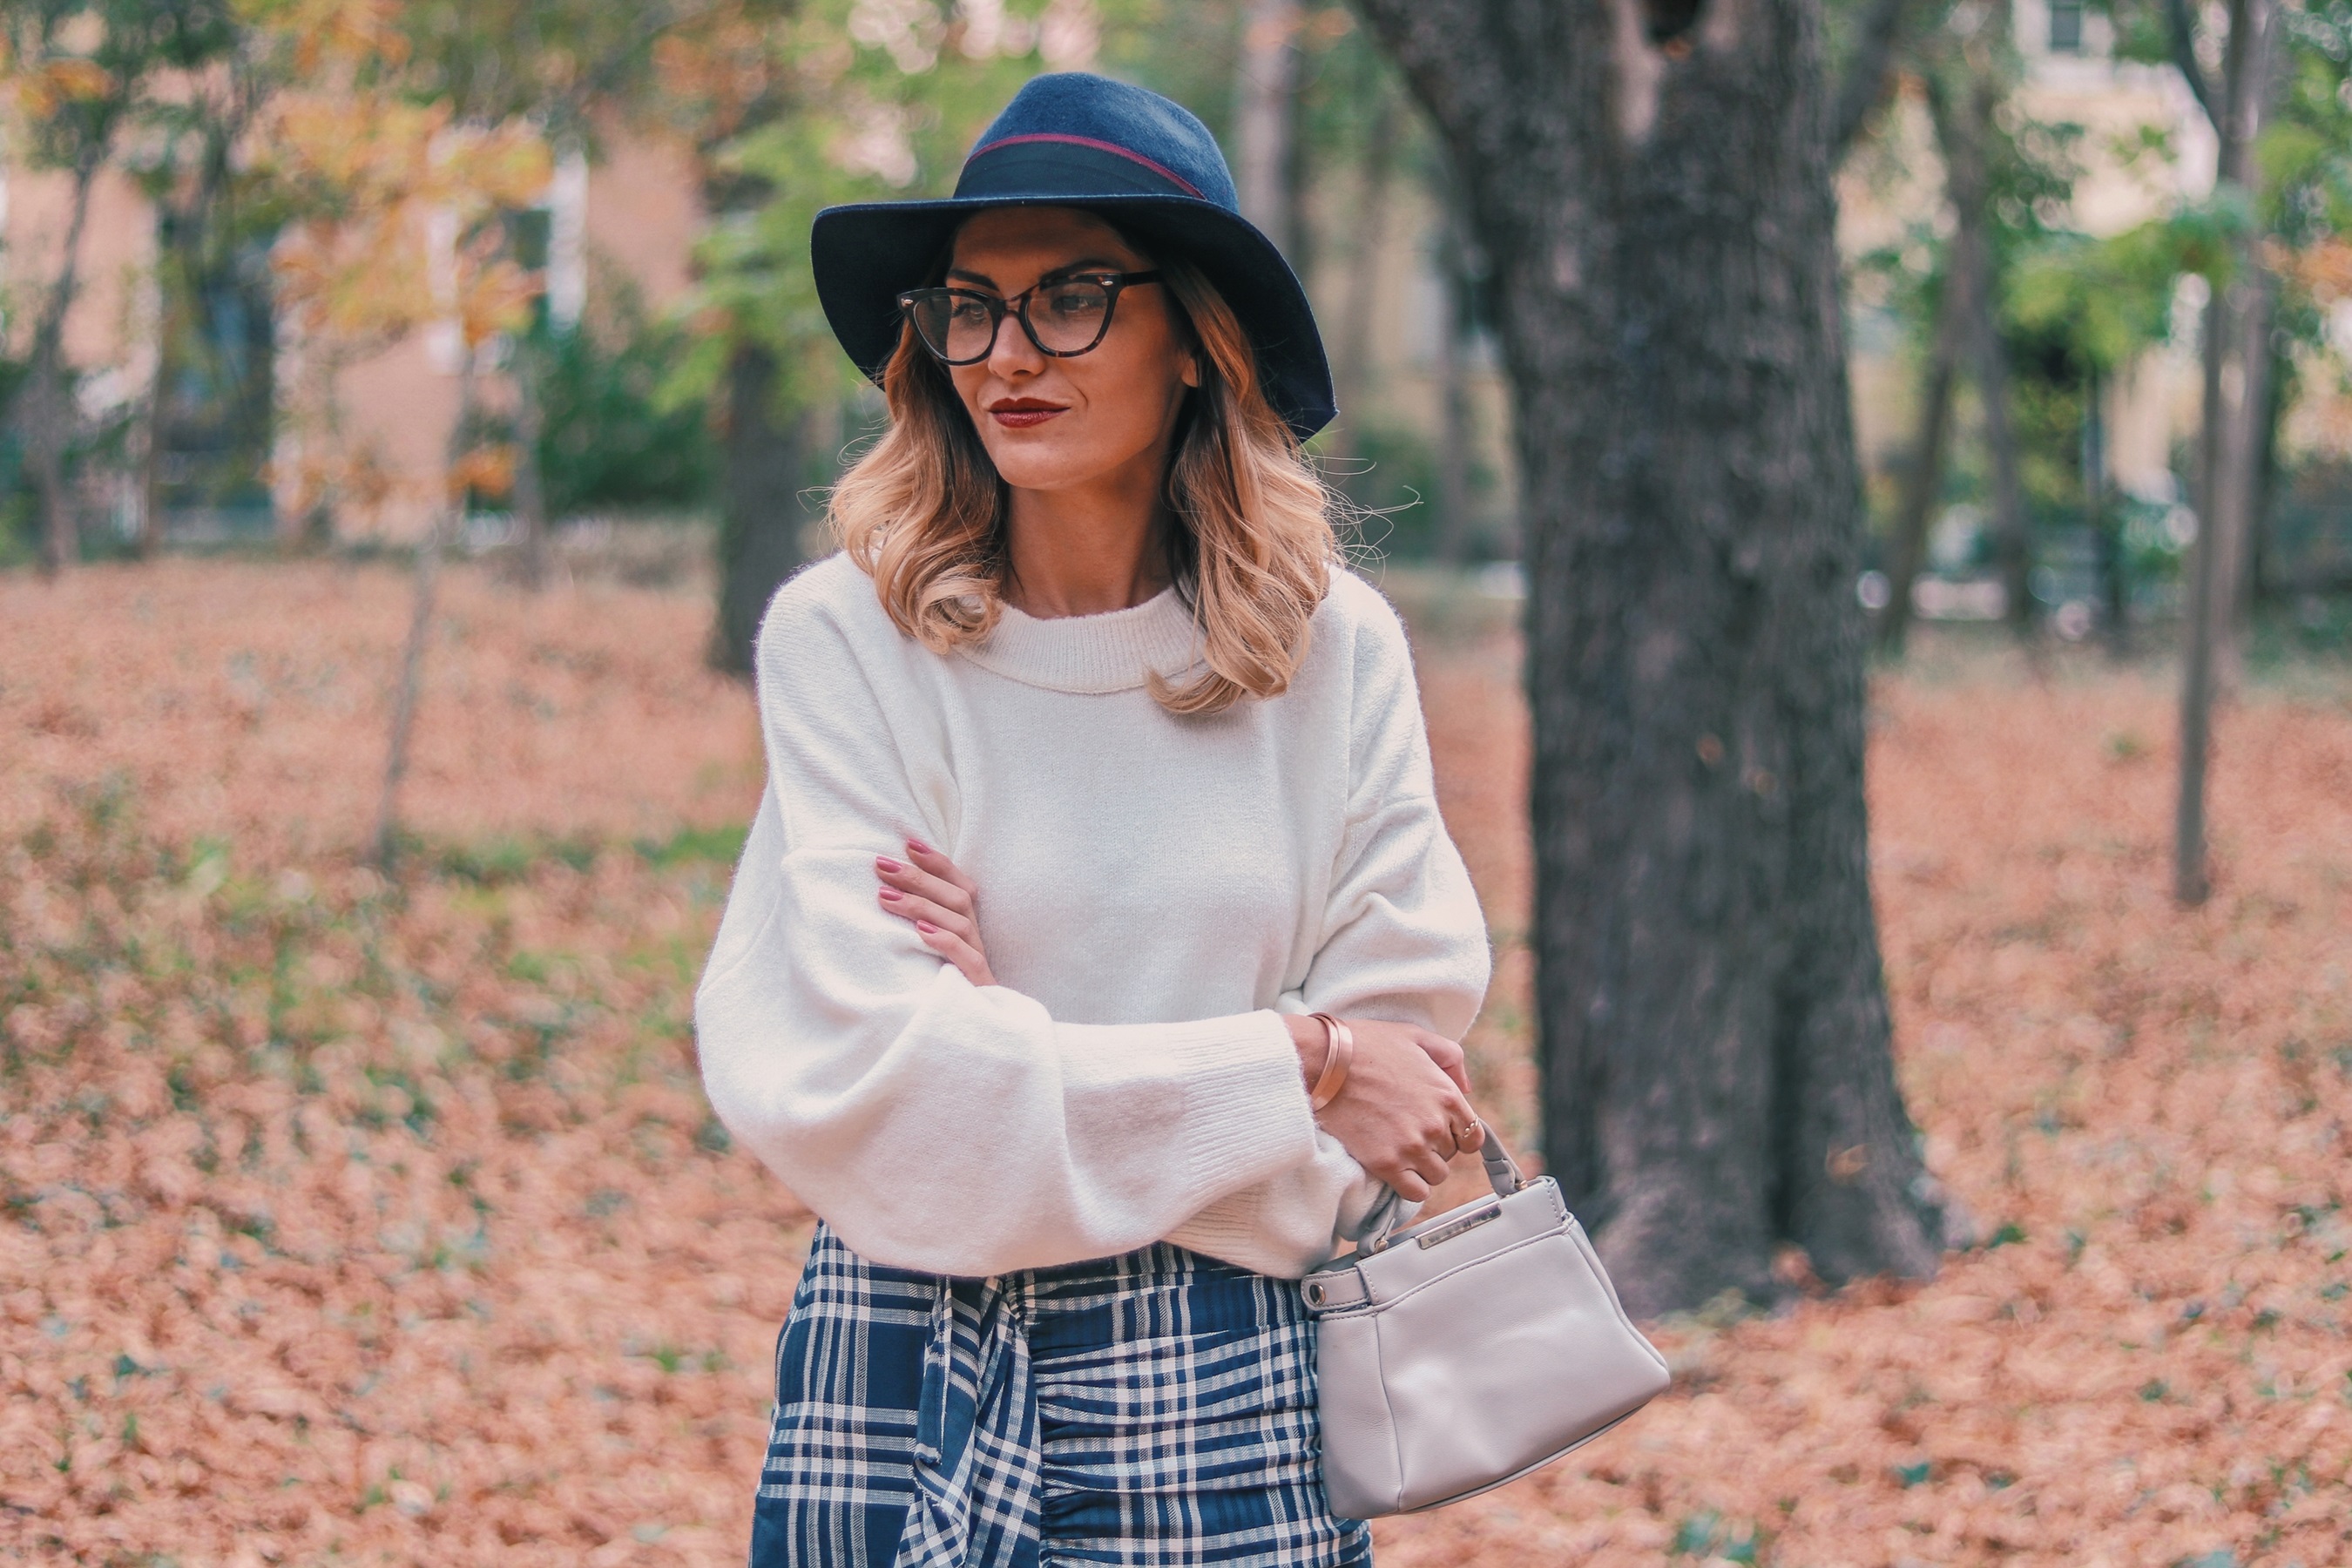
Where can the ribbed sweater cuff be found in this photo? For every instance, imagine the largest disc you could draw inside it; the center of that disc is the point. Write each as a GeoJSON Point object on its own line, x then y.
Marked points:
{"type": "Point", "coordinates": [1246, 1103]}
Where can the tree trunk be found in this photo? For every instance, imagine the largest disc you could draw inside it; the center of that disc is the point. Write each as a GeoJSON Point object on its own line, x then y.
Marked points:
{"type": "Point", "coordinates": [530, 486]}
{"type": "Point", "coordinates": [1925, 483]}
{"type": "Point", "coordinates": [1454, 393]}
{"type": "Point", "coordinates": [1658, 224]}
{"type": "Point", "coordinates": [410, 683]}
{"type": "Point", "coordinates": [1963, 132]}
{"type": "Point", "coordinates": [2247, 412]}
{"type": "Point", "coordinates": [1266, 80]}
{"type": "Point", "coordinates": [2259, 586]}
{"type": "Point", "coordinates": [2237, 359]}
{"type": "Point", "coordinates": [147, 451]}
{"type": "Point", "coordinates": [1368, 226]}
{"type": "Point", "coordinates": [2106, 531]}
{"type": "Point", "coordinates": [762, 509]}
{"type": "Point", "coordinates": [48, 425]}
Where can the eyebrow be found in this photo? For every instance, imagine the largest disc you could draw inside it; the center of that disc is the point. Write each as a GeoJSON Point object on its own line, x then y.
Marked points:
{"type": "Point", "coordinates": [1086, 264]}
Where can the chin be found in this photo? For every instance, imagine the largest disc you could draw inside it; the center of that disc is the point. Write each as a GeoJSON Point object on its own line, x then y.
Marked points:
{"type": "Point", "coordinates": [1039, 467]}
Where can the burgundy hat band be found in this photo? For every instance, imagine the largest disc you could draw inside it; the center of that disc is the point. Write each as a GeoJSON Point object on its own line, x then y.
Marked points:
{"type": "Point", "coordinates": [1040, 147]}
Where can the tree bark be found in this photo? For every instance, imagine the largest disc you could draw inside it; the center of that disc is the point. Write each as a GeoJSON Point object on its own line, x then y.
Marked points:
{"type": "Point", "coordinates": [1651, 190]}
{"type": "Point", "coordinates": [1352, 343]}
{"type": "Point", "coordinates": [1454, 393]}
{"type": "Point", "coordinates": [1265, 82]}
{"type": "Point", "coordinates": [48, 428]}
{"type": "Point", "coordinates": [1963, 132]}
{"type": "Point", "coordinates": [2237, 361]}
{"type": "Point", "coordinates": [2115, 582]}
{"type": "Point", "coordinates": [1867, 74]}
{"type": "Point", "coordinates": [410, 683]}
{"type": "Point", "coordinates": [530, 486]}
{"type": "Point", "coordinates": [2260, 584]}
{"type": "Point", "coordinates": [1925, 482]}
{"type": "Point", "coordinates": [763, 511]}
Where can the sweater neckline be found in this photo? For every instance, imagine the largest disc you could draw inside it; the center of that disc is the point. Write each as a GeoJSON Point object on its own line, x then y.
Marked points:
{"type": "Point", "coordinates": [1115, 650]}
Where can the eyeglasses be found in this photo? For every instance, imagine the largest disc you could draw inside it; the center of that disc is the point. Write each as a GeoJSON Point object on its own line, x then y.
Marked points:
{"type": "Point", "coordinates": [959, 325]}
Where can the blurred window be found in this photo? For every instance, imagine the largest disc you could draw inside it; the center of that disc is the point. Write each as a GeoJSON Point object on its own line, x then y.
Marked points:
{"type": "Point", "coordinates": [2065, 26]}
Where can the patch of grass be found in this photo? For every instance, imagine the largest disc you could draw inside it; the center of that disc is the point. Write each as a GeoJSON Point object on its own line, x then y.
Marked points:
{"type": "Point", "coordinates": [688, 845]}
{"type": "Point", "coordinates": [499, 861]}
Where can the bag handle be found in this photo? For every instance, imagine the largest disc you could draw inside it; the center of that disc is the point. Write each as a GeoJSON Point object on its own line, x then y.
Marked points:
{"type": "Point", "coordinates": [1502, 1175]}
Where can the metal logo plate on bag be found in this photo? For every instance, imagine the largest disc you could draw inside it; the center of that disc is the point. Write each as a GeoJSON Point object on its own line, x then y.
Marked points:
{"type": "Point", "coordinates": [1454, 1227]}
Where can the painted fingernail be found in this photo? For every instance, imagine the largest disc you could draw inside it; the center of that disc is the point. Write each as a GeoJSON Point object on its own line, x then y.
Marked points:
{"type": "Point", "coordinates": [888, 864]}
{"type": "Point", "coordinates": [920, 848]}
{"type": "Point", "coordinates": [891, 895]}
{"type": "Point", "coordinates": [927, 928]}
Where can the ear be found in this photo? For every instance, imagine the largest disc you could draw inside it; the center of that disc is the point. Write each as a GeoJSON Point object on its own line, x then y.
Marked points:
{"type": "Point", "coordinates": [1190, 375]}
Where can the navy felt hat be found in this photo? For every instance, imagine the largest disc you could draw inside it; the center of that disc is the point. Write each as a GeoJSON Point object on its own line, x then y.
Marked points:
{"type": "Point", "coordinates": [1140, 161]}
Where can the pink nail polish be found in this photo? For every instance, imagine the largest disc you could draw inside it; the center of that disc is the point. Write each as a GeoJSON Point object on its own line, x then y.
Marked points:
{"type": "Point", "coordinates": [888, 864]}
{"type": "Point", "coordinates": [927, 928]}
{"type": "Point", "coordinates": [891, 895]}
{"type": "Point", "coordinates": [920, 848]}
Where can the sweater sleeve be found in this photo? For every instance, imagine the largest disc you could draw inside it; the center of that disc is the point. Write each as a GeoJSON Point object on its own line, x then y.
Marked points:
{"type": "Point", "coordinates": [938, 1125]}
{"type": "Point", "coordinates": [1403, 938]}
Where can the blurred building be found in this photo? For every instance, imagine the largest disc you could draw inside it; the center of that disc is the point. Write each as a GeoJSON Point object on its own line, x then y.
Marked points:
{"type": "Point", "coordinates": [224, 461]}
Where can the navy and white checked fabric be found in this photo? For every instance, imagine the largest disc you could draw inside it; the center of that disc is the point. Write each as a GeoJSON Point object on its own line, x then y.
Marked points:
{"type": "Point", "coordinates": [1155, 1409]}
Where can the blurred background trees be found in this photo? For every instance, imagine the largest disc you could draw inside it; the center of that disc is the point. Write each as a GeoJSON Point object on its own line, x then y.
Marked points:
{"type": "Point", "coordinates": [2029, 205]}
{"type": "Point", "coordinates": [525, 281]}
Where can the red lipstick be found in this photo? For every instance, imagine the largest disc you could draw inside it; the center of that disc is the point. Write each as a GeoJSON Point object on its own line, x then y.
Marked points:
{"type": "Point", "coordinates": [1021, 412]}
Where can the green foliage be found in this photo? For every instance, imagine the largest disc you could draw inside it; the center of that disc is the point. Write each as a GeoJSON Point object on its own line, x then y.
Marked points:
{"type": "Point", "coordinates": [611, 439]}
{"type": "Point", "coordinates": [2103, 300]}
{"type": "Point", "coordinates": [882, 111]}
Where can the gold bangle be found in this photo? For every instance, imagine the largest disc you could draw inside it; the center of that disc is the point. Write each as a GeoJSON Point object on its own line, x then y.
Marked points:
{"type": "Point", "coordinates": [1338, 1050]}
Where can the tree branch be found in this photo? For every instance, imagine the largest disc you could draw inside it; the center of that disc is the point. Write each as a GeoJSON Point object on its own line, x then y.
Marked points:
{"type": "Point", "coordinates": [2182, 24]}
{"type": "Point", "coordinates": [1865, 74]}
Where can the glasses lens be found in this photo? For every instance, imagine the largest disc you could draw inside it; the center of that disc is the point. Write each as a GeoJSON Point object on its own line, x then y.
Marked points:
{"type": "Point", "coordinates": [1069, 316]}
{"type": "Point", "coordinates": [952, 324]}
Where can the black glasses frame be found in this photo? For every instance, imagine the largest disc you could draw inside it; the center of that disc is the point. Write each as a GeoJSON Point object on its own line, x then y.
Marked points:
{"type": "Point", "coordinates": [1017, 307]}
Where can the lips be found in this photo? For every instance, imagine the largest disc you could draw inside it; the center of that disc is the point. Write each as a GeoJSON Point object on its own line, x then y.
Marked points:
{"type": "Point", "coordinates": [1021, 412]}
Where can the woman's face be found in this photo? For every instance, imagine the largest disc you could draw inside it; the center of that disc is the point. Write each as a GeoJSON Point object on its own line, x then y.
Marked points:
{"type": "Point", "coordinates": [1058, 424]}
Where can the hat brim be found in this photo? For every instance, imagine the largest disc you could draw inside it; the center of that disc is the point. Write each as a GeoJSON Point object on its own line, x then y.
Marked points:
{"type": "Point", "coordinates": [867, 254]}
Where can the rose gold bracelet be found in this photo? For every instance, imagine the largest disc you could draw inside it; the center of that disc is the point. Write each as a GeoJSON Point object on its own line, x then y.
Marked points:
{"type": "Point", "coordinates": [1338, 1050]}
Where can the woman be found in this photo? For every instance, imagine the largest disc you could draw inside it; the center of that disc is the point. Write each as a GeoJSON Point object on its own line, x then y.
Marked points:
{"type": "Point", "coordinates": [1092, 777]}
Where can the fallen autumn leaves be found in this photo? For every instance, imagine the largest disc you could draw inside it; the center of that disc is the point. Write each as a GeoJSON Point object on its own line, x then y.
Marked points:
{"type": "Point", "coordinates": [353, 1223]}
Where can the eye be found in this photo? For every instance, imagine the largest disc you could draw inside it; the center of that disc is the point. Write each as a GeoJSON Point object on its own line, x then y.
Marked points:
{"type": "Point", "coordinates": [965, 311]}
{"type": "Point", "coordinates": [1076, 300]}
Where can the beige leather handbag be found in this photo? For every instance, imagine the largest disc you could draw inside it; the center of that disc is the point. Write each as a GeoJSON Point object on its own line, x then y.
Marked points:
{"type": "Point", "coordinates": [1469, 1349]}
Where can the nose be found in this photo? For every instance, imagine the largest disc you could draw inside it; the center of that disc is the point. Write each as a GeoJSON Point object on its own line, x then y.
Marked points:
{"type": "Point", "coordinates": [1012, 354]}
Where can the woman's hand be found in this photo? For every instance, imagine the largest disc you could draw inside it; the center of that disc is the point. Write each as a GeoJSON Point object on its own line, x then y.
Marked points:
{"type": "Point", "coordinates": [943, 903]}
{"type": "Point", "coordinates": [1404, 1112]}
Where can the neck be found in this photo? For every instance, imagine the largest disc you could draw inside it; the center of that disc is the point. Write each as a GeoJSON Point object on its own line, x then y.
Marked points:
{"type": "Point", "coordinates": [1089, 548]}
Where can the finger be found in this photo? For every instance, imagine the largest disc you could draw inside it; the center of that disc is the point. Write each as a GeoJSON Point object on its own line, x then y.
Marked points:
{"type": "Point", "coordinates": [1431, 1166]}
{"type": "Point", "coordinates": [940, 866]}
{"type": "Point", "coordinates": [910, 907]}
{"type": "Point", "coordinates": [1450, 1059]}
{"type": "Point", "coordinates": [915, 879]}
{"type": "Point", "coordinates": [1409, 1186]}
{"type": "Point", "coordinates": [956, 951]}
{"type": "Point", "coordinates": [1474, 1137]}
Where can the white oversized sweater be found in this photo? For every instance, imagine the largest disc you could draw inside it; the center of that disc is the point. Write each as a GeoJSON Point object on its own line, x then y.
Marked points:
{"type": "Point", "coordinates": [1153, 892]}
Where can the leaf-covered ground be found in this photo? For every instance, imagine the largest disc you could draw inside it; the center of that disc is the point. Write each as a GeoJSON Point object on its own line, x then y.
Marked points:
{"type": "Point", "coordinates": [355, 1223]}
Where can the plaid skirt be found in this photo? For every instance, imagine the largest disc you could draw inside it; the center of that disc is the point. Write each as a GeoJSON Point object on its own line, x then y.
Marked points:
{"type": "Point", "coordinates": [1156, 1408]}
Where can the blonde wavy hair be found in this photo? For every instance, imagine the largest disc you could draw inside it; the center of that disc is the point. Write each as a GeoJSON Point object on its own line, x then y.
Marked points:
{"type": "Point", "coordinates": [1251, 548]}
